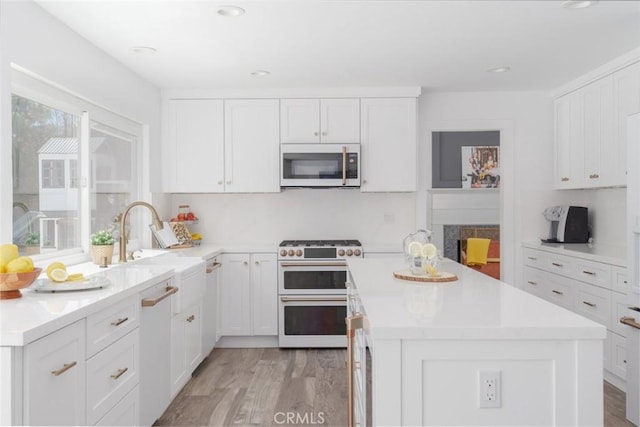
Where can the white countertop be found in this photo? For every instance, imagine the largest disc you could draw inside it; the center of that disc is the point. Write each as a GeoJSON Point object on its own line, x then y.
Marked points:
{"type": "Point", "coordinates": [475, 306]}
{"type": "Point", "coordinates": [36, 314]}
{"type": "Point", "coordinates": [609, 254]}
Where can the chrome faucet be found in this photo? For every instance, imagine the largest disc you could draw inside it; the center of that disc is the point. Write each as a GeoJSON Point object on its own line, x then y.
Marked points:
{"type": "Point", "coordinates": [123, 238]}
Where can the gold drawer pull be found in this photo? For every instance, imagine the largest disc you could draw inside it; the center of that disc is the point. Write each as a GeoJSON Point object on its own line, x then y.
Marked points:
{"type": "Point", "coordinates": [215, 266]}
{"type": "Point", "coordinates": [64, 368]}
{"type": "Point", "coordinates": [594, 176]}
{"type": "Point", "coordinates": [532, 258]}
{"type": "Point", "coordinates": [532, 283]}
{"type": "Point", "coordinates": [590, 273]}
{"type": "Point", "coordinates": [564, 179]}
{"type": "Point", "coordinates": [168, 291]}
{"type": "Point", "coordinates": [191, 318]}
{"type": "Point", "coordinates": [590, 304]}
{"type": "Point", "coordinates": [557, 292]}
{"type": "Point", "coordinates": [119, 322]}
{"type": "Point", "coordinates": [556, 264]}
{"type": "Point", "coordinates": [630, 321]}
{"type": "Point", "coordinates": [119, 373]}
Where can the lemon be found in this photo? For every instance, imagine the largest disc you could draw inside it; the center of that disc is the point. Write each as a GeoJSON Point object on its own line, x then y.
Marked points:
{"type": "Point", "coordinates": [20, 265]}
{"type": "Point", "coordinates": [414, 249]}
{"type": "Point", "coordinates": [3, 269]}
{"type": "Point", "coordinates": [429, 250]}
{"type": "Point", "coordinates": [8, 253]}
{"type": "Point", "coordinates": [431, 270]}
{"type": "Point", "coordinates": [58, 275]}
{"type": "Point", "coordinates": [76, 277]}
{"type": "Point", "coordinates": [56, 266]}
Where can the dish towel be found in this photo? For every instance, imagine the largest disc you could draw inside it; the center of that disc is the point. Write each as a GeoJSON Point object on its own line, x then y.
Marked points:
{"type": "Point", "coordinates": [477, 250]}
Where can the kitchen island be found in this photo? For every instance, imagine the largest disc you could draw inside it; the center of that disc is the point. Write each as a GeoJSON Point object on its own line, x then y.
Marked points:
{"type": "Point", "coordinates": [475, 351]}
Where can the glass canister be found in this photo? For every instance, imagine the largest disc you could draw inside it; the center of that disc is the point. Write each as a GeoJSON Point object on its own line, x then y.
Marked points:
{"type": "Point", "coordinates": [420, 253]}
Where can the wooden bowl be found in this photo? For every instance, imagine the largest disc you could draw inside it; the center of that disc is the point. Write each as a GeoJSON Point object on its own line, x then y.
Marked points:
{"type": "Point", "coordinates": [11, 283]}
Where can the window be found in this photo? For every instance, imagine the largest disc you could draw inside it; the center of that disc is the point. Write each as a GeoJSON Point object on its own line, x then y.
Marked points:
{"type": "Point", "coordinates": [67, 185]}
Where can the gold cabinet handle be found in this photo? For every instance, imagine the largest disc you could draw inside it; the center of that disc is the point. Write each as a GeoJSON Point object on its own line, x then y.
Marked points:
{"type": "Point", "coordinates": [564, 179]}
{"type": "Point", "coordinates": [630, 321]}
{"type": "Point", "coordinates": [119, 373]}
{"type": "Point", "coordinates": [191, 318]}
{"type": "Point", "coordinates": [590, 273]}
{"type": "Point", "coordinates": [353, 323]}
{"type": "Point", "coordinates": [590, 304]}
{"type": "Point", "coordinates": [119, 321]}
{"type": "Point", "coordinates": [64, 368]}
{"type": "Point", "coordinates": [557, 292]}
{"type": "Point", "coordinates": [313, 299]}
{"type": "Point", "coordinates": [556, 264]}
{"type": "Point", "coordinates": [532, 283]}
{"type": "Point", "coordinates": [316, 133]}
{"type": "Point", "coordinates": [594, 176]}
{"type": "Point", "coordinates": [215, 266]}
{"type": "Point", "coordinates": [313, 264]}
{"type": "Point", "coordinates": [532, 258]}
{"type": "Point", "coordinates": [150, 302]}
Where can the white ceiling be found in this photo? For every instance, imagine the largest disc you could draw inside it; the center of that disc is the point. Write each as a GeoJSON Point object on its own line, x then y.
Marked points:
{"type": "Point", "coordinates": [439, 45]}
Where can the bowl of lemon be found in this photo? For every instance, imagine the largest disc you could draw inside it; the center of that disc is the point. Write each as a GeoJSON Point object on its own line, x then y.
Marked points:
{"type": "Point", "coordinates": [16, 272]}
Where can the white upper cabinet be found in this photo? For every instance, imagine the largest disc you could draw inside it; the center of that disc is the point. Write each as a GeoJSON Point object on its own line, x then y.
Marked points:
{"type": "Point", "coordinates": [333, 121]}
{"type": "Point", "coordinates": [193, 148]}
{"type": "Point", "coordinates": [388, 144]}
{"type": "Point", "coordinates": [590, 124]}
{"type": "Point", "coordinates": [252, 146]}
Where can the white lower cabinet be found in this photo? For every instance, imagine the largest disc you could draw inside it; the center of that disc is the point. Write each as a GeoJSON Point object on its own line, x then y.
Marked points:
{"type": "Point", "coordinates": [186, 346]}
{"type": "Point", "coordinates": [55, 378]}
{"type": "Point", "coordinates": [125, 413]}
{"type": "Point", "coordinates": [595, 290]}
{"type": "Point", "coordinates": [249, 294]}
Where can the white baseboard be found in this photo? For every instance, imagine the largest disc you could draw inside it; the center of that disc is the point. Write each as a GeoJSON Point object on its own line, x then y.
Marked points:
{"type": "Point", "coordinates": [247, 342]}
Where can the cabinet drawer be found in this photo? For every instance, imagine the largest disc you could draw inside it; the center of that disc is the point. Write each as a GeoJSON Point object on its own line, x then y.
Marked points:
{"type": "Point", "coordinates": [619, 279]}
{"type": "Point", "coordinates": [560, 264]}
{"type": "Point", "coordinates": [533, 281]}
{"type": "Point", "coordinates": [593, 302]}
{"type": "Point", "coordinates": [619, 309]}
{"type": "Point", "coordinates": [125, 413]}
{"type": "Point", "coordinates": [595, 273]}
{"type": "Point", "coordinates": [618, 355]}
{"type": "Point", "coordinates": [560, 291]}
{"type": "Point", "coordinates": [111, 374]}
{"type": "Point", "coordinates": [110, 324]}
{"type": "Point", "coordinates": [534, 258]}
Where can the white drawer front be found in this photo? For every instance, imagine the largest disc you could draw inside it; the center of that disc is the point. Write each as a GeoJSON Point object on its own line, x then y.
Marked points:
{"type": "Point", "coordinates": [618, 355]}
{"type": "Point", "coordinates": [595, 273]}
{"type": "Point", "coordinates": [619, 279]}
{"type": "Point", "coordinates": [594, 302]}
{"type": "Point", "coordinates": [125, 413]}
{"type": "Point", "coordinates": [619, 308]}
{"type": "Point", "coordinates": [560, 291]}
{"type": "Point", "coordinates": [112, 323]}
{"type": "Point", "coordinates": [560, 264]}
{"type": "Point", "coordinates": [111, 374]}
{"type": "Point", "coordinates": [191, 289]}
{"type": "Point", "coordinates": [534, 258]}
{"type": "Point", "coordinates": [533, 281]}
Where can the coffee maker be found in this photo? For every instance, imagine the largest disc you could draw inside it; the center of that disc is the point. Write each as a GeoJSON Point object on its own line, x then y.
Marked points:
{"type": "Point", "coordinates": [567, 224]}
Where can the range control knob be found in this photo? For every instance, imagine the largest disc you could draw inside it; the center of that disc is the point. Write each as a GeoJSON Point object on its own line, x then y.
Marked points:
{"type": "Point", "coordinates": [283, 252]}
{"type": "Point", "coordinates": [299, 252]}
{"type": "Point", "coordinates": [341, 252]}
{"type": "Point", "coordinates": [357, 252]}
{"type": "Point", "coordinates": [291, 252]}
{"type": "Point", "coordinates": [349, 252]}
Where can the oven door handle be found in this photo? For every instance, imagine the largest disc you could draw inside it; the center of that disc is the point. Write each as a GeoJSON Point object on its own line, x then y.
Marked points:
{"type": "Point", "coordinates": [313, 299]}
{"type": "Point", "coordinates": [313, 264]}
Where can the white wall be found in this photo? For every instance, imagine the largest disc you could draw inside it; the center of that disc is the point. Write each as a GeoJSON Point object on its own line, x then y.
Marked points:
{"type": "Point", "coordinates": [378, 220]}
{"type": "Point", "coordinates": [33, 39]}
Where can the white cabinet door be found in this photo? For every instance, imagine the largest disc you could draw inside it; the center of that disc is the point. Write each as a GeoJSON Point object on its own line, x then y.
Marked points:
{"type": "Point", "coordinates": [252, 146]}
{"type": "Point", "coordinates": [331, 121]}
{"type": "Point", "coordinates": [569, 110]}
{"type": "Point", "coordinates": [236, 291]}
{"type": "Point", "coordinates": [626, 87]}
{"type": "Point", "coordinates": [388, 144]}
{"type": "Point", "coordinates": [340, 121]}
{"type": "Point", "coordinates": [55, 378]}
{"type": "Point", "coordinates": [193, 147]}
{"type": "Point", "coordinates": [601, 157]}
{"type": "Point", "coordinates": [264, 294]}
{"type": "Point", "coordinates": [193, 334]}
{"type": "Point", "coordinates": [299, 121]}
{"type": "Point", "coordinates": [178, 354]}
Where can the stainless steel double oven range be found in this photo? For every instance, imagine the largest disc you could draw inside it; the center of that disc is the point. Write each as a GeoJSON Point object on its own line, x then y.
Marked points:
{"type": "Point", "coordinates": [312, 292]}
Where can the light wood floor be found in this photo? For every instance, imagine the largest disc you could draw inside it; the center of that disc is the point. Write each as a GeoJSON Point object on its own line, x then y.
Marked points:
{"type": "Point", "coordinates": [259, 386]}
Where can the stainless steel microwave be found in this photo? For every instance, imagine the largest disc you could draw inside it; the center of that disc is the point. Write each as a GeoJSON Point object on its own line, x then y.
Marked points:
{"type": "Point", "coordinates": [320, 165]}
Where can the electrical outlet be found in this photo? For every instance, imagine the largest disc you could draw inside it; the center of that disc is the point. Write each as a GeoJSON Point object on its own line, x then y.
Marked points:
{"type": "Point", "coordinates": [489, 389]}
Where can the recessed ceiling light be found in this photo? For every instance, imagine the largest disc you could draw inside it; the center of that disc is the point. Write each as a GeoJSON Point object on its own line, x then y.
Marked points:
{"type": "Point", "coordinates": [230, 11]}
{"type": "Point", "coordinates": [578, 4]}
{"type": "Point", "coordinates": [499, 70]}
{"type": "Point", "coordinates": [260, 73]}
{"type": "Point", "coordinates": [143, 50]}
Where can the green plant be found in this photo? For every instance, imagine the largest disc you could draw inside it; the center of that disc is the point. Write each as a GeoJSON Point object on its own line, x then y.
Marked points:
{"type": "Point", "coordinates": [31, 239]}
{"type": "Point", "coordinates": [101, 238]}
